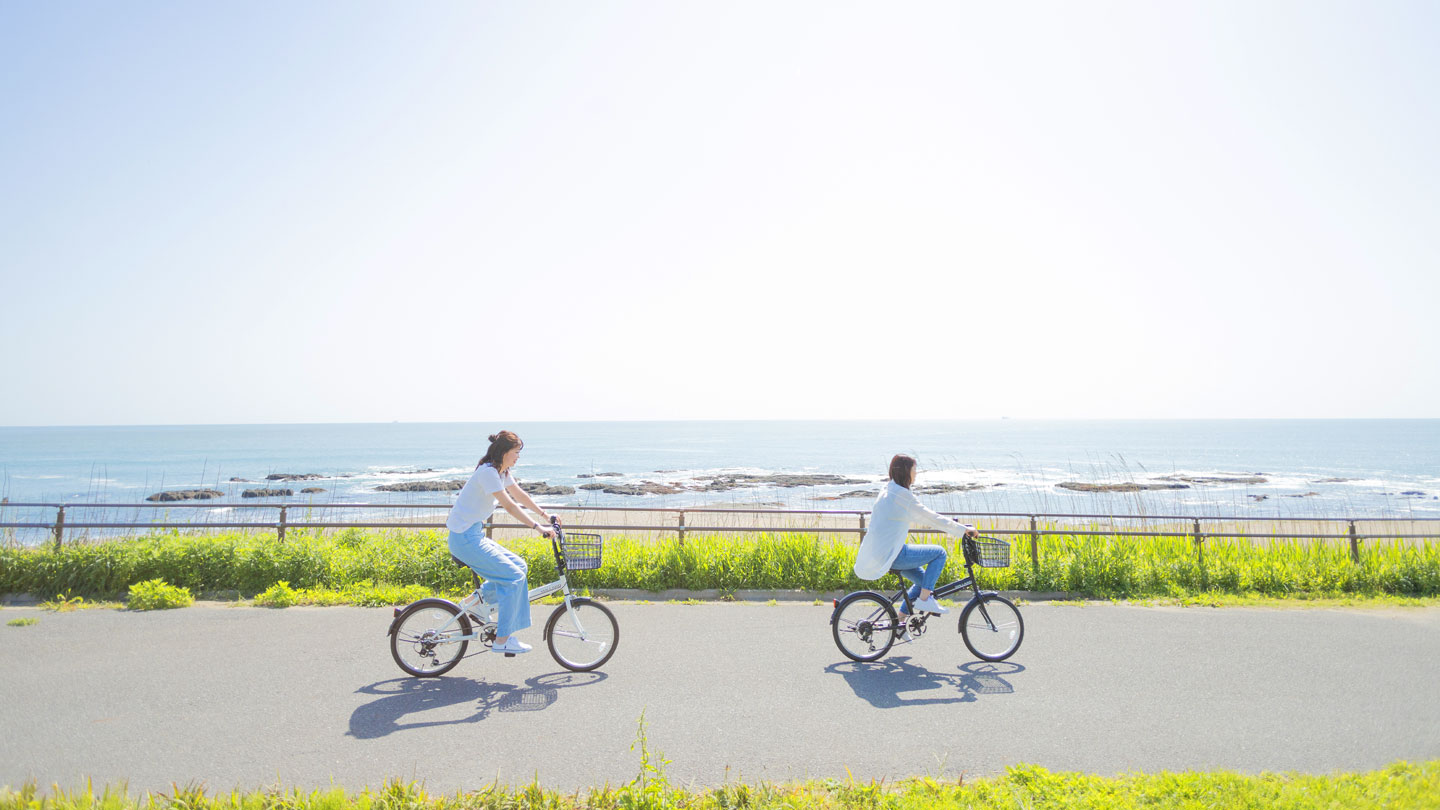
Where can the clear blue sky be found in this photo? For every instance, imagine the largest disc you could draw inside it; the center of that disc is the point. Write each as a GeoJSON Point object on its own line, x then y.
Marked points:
{"type": "Point", "coordinates": [366, 211]}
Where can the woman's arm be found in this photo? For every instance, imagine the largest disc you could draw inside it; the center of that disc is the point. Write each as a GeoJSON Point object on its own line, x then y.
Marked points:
{"type": "Point", "coordinates": [524, 499]}
{"type": "Point", "coordinates": [921, 513]}
{"type": "Point", "coordinates": [519, 514]}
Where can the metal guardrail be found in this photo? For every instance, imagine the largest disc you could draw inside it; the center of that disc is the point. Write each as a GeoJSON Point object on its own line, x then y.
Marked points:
{"type": "Point", "coordinates": [1034, 532]}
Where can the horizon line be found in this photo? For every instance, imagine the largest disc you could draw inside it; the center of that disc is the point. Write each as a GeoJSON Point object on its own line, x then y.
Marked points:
{"type": "Point", "coordinates": [751, 419]}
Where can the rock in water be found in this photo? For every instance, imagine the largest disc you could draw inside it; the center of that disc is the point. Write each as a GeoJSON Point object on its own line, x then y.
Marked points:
{"type": "Point", "coordinates": [1128, 486]}
{"type": "Point", "coordinates": [542, 488]}
{"type": "Point", "coordinates": [423, 486]}
{"type": "Point", "coordinates": [186, 495]}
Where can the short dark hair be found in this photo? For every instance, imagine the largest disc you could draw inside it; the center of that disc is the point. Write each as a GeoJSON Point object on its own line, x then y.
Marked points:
{"type": "Point", "coordinates": [500, 444]}
{"type": "Point", "coordinates": [902, 470]}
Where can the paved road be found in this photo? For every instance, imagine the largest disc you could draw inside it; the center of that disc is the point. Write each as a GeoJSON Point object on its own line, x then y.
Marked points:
{"type": "Point", "coordinates": [244, 697]}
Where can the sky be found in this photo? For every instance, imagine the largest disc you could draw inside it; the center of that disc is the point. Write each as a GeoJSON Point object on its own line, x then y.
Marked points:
{"type": "Point", "coordinates": [474, 211]}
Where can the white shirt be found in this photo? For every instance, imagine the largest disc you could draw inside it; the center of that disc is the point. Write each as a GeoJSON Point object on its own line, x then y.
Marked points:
{"type": "Point", "coordinates": [890, 519]}
{"type": "Point", "coordinates": [476, 501]}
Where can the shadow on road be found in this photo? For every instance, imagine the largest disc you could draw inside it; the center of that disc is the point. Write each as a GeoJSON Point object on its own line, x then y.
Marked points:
{"type": "Point", "coordinates": [402, 698]}
{"type": "Point", "coordinates": [882, 683]}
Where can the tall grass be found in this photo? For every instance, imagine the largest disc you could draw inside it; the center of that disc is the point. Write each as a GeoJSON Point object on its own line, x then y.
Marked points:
{"type": "Point", "coordinates": [1103, 566]}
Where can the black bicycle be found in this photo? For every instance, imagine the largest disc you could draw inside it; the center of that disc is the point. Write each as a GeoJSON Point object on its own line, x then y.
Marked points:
{"type": "Point", "coordinates": [865, 623]}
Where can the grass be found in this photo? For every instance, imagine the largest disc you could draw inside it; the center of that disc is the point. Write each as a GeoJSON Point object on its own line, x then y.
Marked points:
{"type": "Point", "coordinates": [1401, 786]}
{"type": "Point", "coordinates": [156, 594]}
{"type": "Point", "coordinates": [26, 622]}
{"type": "Point", "coordinates": [383, 567]}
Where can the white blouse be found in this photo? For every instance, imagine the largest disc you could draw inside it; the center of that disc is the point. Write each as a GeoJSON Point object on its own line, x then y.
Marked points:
{"type": "Point", "coordinates": [890, 520]}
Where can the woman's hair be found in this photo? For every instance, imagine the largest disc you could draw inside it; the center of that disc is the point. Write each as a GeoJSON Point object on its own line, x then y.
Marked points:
{"type": "Point", "coordinates": [902, 470]}
{"type": "Point", "coordinates": [500, 444]}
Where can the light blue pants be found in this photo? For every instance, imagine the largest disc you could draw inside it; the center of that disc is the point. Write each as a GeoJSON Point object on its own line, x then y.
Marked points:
{"type": "Point", "coordinates": [921, 565]}
{"type": "Point", "coordinates": [505, 585]}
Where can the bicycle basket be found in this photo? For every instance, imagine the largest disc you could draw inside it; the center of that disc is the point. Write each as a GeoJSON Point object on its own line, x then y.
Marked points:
{"type": "Point", "coordinates": [988, 552]}
{"type": "Point", "coordinates": [582, 551]}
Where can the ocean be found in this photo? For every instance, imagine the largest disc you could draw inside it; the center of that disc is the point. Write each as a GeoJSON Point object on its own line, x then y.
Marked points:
{"type": "Point", "coordinates": [1255, 468]}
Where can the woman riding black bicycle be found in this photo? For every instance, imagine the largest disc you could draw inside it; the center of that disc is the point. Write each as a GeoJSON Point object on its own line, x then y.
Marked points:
{"type": "Point", "coordinates": [884, 548]}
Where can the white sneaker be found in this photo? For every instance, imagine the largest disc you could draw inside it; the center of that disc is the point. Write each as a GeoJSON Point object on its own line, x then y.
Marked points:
{"type": "Point", "coordinates": [512, 646]}
{"type": "Point", "coordinates": [904, 634]}
{"type": "Point", "coordinates": [929, 605]}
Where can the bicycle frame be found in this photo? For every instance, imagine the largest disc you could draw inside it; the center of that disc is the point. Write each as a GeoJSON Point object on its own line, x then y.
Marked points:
{"type": "Point", "coordinates": [468, 605]}
{"type": "Point", "coordinates": [940, 592]}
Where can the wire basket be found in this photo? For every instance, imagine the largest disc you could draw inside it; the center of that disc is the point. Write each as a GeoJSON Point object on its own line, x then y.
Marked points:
{"type": "Point", "coordinates": [582, 551]}
{"type": "Point", "coordinates": [988, 552]}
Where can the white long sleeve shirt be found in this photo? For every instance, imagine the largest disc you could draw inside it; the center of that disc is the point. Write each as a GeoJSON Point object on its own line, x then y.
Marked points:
{"type": "Point", "coordinates": [894, 512]}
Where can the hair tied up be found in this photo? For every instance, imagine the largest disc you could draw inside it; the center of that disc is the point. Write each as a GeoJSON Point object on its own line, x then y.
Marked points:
{"type": "Point", "coordinates": [500, 444]}
{"type": "Point", "coordinates": [492, 437]}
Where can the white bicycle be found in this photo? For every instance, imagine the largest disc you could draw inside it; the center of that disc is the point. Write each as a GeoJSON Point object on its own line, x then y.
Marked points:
{"type": "Point", "coordinates": [429, 637]}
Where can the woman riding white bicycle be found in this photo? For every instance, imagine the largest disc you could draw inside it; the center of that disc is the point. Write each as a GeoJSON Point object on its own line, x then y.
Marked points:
{"type": "Point", "coordinates": [884, 548]}
{"type": "Point", "coordinates": [506, 574]}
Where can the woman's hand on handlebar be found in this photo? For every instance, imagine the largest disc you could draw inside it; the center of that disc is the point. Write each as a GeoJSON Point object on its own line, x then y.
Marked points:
{"type": "Point", "coordinates": [971, 532]}
{"type": "Point", "coordinates": [545, 530]}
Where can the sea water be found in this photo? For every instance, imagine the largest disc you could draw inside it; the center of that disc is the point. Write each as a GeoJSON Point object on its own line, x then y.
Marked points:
{"type": "Point", "coordinates": [1310, 468]}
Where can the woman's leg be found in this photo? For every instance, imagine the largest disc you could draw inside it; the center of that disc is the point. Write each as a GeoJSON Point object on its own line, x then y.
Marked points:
{"type": "Point", "coordinates": [926, 561]}
{"type": "Point", "coordinates": [916, 576]}
{"type": "Point", "coordinates": [505, 574]}
{"type": "Point", "coordinates": [520, 617]}
{"type": "Point", "coordinates": [934, 567]}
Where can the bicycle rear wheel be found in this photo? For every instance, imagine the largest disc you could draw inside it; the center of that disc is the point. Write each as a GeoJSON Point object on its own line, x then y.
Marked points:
{"type": "Point", "coordinates": [583, 636]}
{"type": "Point", "coordinates": [864, 626]}
{"type": "Point", "coordinates": [992, 627]}
{"type": "Point", "coordinates": [421, 647]}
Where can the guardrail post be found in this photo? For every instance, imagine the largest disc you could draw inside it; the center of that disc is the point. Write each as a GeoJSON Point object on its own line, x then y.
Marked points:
{"type": "Point", "coordinates": [682, 527]}
{"type": "Point", "coordinates": [489, 526]}
{"type": "Point", "coordinates": [59, 526]}
{"type": "Point", "coordinates": [1034, 547]}
{"type": "Point", "coordinates": [1200, 555]}
{"type": "Point", "coordinates": [280, 527]}
{"type": "Point", "coordinates": [862, 524]}
{"type": "Point", "coordinates": [1354, 544]}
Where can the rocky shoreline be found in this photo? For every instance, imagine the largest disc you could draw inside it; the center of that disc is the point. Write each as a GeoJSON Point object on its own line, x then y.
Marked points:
{"type": "Point", "coordinates": [727, 482]}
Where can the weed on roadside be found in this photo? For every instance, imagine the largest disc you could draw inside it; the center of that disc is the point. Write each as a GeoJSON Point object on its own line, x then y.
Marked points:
{"type": "Point", "coordinates": [156, 594]}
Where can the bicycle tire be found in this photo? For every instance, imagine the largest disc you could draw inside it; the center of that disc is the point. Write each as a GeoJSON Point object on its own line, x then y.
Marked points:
{"type": "Point", "coordinates": [992, 627]}
{"type": "Point", "coordinates": [870, 626]}
{"type": "Point", "coordinates": [601, 630]}
{"type": "Point", "coordinates": [412, 643]}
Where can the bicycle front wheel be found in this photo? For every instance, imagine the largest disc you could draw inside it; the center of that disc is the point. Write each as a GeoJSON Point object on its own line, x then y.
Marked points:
{"type": "Point", "coordinates": [864, 626]}
{"type": "Point", "coordinates": [583, 636]}
{"type": "Point", "coordinates": [992, 627]}
{"type": "Point", "coordinates": [429, 638]}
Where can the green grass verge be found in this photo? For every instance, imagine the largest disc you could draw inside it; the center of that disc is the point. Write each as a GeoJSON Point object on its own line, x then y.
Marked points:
{"type": "Point", "coordinates": [388, 562]}
{"type": "Point", "coordinates": [1402, 786]}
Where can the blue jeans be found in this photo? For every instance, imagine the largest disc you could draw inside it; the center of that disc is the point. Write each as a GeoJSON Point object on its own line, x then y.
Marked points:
{"type": "Point", "coordinates": [505, 572]}
{"type": "Point", "coordinates": [921, 565]}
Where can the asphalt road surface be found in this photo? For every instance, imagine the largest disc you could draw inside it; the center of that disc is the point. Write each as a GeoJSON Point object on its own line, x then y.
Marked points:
{"type": "Point", "coordinates": [236, 697]}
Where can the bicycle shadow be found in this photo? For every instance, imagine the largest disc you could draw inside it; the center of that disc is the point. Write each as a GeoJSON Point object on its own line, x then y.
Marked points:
{"type": "Point", "coordinates": [403, 697]}
{"type": "Point", "coordinates": [882, 683]}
